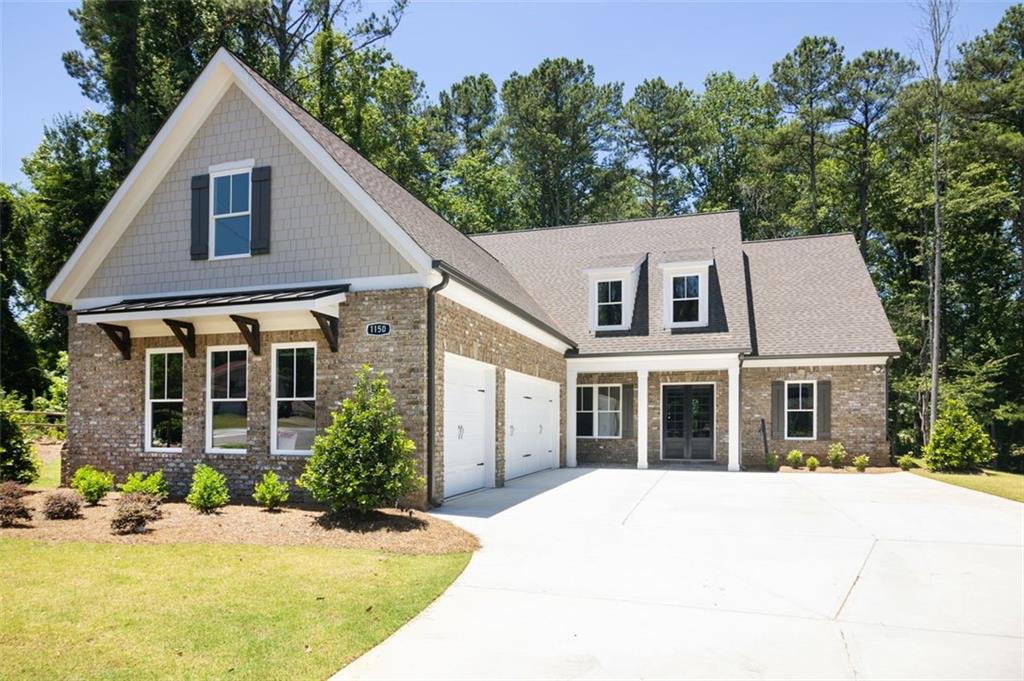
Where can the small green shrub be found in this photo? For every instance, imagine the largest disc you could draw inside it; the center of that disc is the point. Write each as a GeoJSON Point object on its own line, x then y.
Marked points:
{"type": "Point", "coordinates": [18, 461]}
{"type": "Point", "coordinates": [153, 483]}
{"type": "Point", "coordinates": [364, 460]}
{"type": "Point", "coordinates": [12, 510]}
{"type": "Point", "coordinates": [134, 511]}
{"type": "Point", "coordinates": [62, 504]}
{"type": "Point", "coordinates": [836, 455]}
{"type": "Point", "coordinates": [861, 463]}
{"type": "Point", "coordinates": [209, 490]}
{"type": "Point", "coordinates": [270, 492]}
{"type": "Point", "coordinates": [771, 461]}
{"type": "Point", "coordinates": [906, 462]}
{"type": "Point", "coordinates": [795, 458]}
{"type": "Point", "coordinates": [958, 442]}
{"type": "Point", "coordinates": [812, 463]}
{"type": "Point", "coordinates": [92, 484]}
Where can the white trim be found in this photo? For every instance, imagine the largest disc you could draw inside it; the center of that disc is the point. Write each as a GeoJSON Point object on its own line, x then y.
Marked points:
{"type": "Point", "coordinates": [813, 409]}
{"type": "Point", "coordinates": [628, 277]}
{"type": "Point", "coordinates": [621, 302]}
{"type": "Point", "coordinates": [570, 418]}
{"type": "Point", "coordinates": [714, 421]}
{"type": "Point", "coordinates": [672, 270]}
{"type": "Point", "coordinates": [225, 168]}
{"type": "Point", "coordinates": [815, 361]}
{"type": "Point", "coordinates": [148, 417]}
{"type": "Point", "coordinates": [274, 347]}
{"type": "Point", "coordinates": [641, 418]}
{"type": "Point", "coordinates": [735, 432]}
{"type": "Point", "coordinates": [595, 411]}
{"type": "Point", "coordinates": [632, 363]}
{"type": "Point", "coordinates": [235, 169]}
{"type": "Point", "coordinates": [210, 449]}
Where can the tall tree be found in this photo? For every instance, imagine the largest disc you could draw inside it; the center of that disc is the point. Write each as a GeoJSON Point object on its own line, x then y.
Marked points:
{"type": "Point", "coordinates": [806, 81]}
{"type": "Point", "coordinates": [19, 369]}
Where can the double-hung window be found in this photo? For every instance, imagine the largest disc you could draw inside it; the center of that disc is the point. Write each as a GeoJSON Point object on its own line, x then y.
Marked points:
{"type": "Point", "coordinates": [163, 400]}
{"type": "Point", "coordinates": [232, 215]}
{"type": "Point", "coordinates": [686, 298]}
{"type": "Point", "coordinates": [609, 303]}
{"type": "Point", "coordinates": [801, 420]}
{"type": "Point", "coordinates": [227, 409]}
{"type": "Point", "coordinates": [294, 410]}
{"type": "Point", "coordinates": [599, 411]}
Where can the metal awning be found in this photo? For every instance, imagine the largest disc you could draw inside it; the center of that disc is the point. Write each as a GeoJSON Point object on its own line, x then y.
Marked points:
{"type": "Point", "coordinates": [225, 299]}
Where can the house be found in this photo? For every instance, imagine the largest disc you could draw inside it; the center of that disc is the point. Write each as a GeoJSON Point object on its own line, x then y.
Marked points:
{"type": "Point", "coordinates": [252, 261]}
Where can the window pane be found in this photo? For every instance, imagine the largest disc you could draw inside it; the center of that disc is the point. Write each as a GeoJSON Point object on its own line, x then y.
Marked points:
{"type": "Point", "coordinates": [615, 291]}
{"type": "Point", "coordinates": [157, 373]}
{"type": "Point", "coordinates": [602, 291]}
{"type": "Point", "coordinates": [793, 396]}
{"type": "Point", "coordinates": [286, 373]}
{"type": "Point", "coordinates": [229, 424]}
{"type": "Point", "coordinates": [608, 398]}
{"type": "Point", "coordinates": [231, 235]}
{"type": "Point", "coordinates": [219, 374]}
{"type": "Point", "coordinates": [174, 361]}
{"type": "Point", "coordinates": [585, 399]}
{"type": "Point", "coordinates": [693, 286]}
{"type": "Point", "coordinates": [221, 195]}
{"type": "Point", "coordinates": [807, 395]}
{"type": "Point", "coordinates": [584, 425]}
{"type": "Point", "coordinates": [678, 287]}
{"type": "Point", "coordinates": [240, 193]}
{"type": "Point", "coordinates": [236, 377]}
{"type": "Point", "coordinates": [304, 371]}
{"type": "Point", "coordinates": [165, 420]}
{"type": "Point", "coordinates": [609, 315]}
{"type": "Point", "coordinates": [296, 424]}
{"type": "Point", "coordinates": [685, 311]}
{"type": "Point", "coordinates": [608, 424]}
{"type": "Point", "coordinates": [800, 423]}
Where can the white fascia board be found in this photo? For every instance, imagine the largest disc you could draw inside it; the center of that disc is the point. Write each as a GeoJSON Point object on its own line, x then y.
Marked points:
{"type": "Point", "coordinates": [466, 297]}
{"type": "Point", "coordinates": [633, 363]}
{"type": "Point", "coordinates": [687, 264]}
{"type": "Point", "coordinates": [816, 361]}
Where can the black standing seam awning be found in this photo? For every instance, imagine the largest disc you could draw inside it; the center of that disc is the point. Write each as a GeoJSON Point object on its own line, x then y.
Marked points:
{"type": "Point", "coordinates": [191, 302]}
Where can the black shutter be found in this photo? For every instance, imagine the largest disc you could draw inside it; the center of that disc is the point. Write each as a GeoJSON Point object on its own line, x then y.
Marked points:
{"type": "Point", "coordinates": [200, 217]}
{"type": "Point", "coordinates": [260, 244]}
{"type": "Point", "coordinates": [778, 408]}
{"type": "Point", "coordinates": [824, 398]}
{"type": "Point", "coordinates": [627, 411]}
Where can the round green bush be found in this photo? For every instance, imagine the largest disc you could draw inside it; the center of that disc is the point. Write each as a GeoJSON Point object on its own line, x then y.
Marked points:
{"type": "Point", "coordinates": [812, 463]}
{"type": "Point", "coordinates": [958, 442]}
{"type": "Point", "coordinates": [92, 484]}
{"type": "Point", "coordinates": [270, 492]}
{"type": "Point", "coordinates": [861, 463]}
{"type": "Point", "coordinates": [153, 483]}
{"type": "Point", "coordinates": [364, 460]}
{"type": "Point", "coordinates": [18, 461]}
{"type": "Point", "coordinates": [795, 458]}
{"type": "Point", "coordinates": [906, 462]}
{"type": "Point", "coordinates": [209, 490]}
{"type": "Point", "coordinates": [836, 455]}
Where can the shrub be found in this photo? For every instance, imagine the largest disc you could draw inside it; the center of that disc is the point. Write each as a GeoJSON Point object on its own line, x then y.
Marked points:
{"type": "Point", "coordinates": [270, 492]}
{"type": "Point", "coordinates": [13, 509]}
{"type": "Point", "coordinates": [62, 504]}
{"type": "Point", "coordinates": [836, 455]}
{"type": "Point", "coordinates": [795, 458]}
{"type": "Point", "coordinates": [958, 442]}
{"type": "Point", "coordinates": [363, 461]}
{"type": "Point", "coordinates": [18, 461]}
{"type": "Point", "coordinates": [93, 484]}
{"type": "Point", "coordinates": [906, 462]}
{"type": "Point", "coordinates": [771, 461]}
{"type": "Point", "coordinates": [209, 490]}
{"type": "Point", "coordinates": [153, 483]}
{"type": "Point", "coordinates": [861, 462]}
{"type": "Point", "coordinates": [812, 463]}
{"type": "Point", "coordinates": [134, 511]}
{"type": "Point", "coordinates": [10, 488]}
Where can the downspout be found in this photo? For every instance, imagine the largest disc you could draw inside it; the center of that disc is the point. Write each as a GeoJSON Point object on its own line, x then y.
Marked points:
{"type": "Point", "coordinates": [431, 377]}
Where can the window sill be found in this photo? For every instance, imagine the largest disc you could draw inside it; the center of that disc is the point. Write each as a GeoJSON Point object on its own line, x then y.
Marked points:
{"type": "Point", "coordinates": [230, 257]}
{"type": "Point", "coordinates": [686, 325]}
{"type": "Point", "coordinates": [289, 454]}
{"type": "Point", "coordinates": [598, 437]}
{"type": "Point", "coordinates": [800, 439]}
{"type": "Point", "coordinates": [162, 450]}
{"type": "Point", "coordinates": [227, 452]}
{"type": "Point", "coordinates": [620, 327]}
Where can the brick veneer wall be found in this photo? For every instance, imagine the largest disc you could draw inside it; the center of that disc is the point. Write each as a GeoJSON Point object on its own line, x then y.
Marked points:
{"type": "Point", "coordinates": [591, 450]}
{"type": "Point", "coordinates": [106, 400]}
{"type": "Point", "coordinates": [462, 331]}
{"type": "Point", "coordinates": [858, 412]}
{"type": "Point", "coordinates": [654, 383]}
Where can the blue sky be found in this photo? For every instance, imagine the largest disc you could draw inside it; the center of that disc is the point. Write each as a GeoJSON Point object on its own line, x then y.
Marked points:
{"type": "Point", "coordinates": [443, 41]}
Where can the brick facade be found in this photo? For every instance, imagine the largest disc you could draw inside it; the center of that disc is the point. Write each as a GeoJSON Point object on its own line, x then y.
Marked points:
{"type": "Point", "coordinates": [596, 451]}
{"type": "Point", "coordinates": [658, 378]}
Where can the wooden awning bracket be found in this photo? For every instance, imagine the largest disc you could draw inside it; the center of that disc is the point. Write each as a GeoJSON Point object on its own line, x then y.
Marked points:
{"type": "Point", "coordinates": [329, 327]}
{"type": "Point", "coordinates": [250, 329]}
{"type": "Point", "coordinates": [185, 332]}
{"type": "Point", "coordinates": [121, 337]}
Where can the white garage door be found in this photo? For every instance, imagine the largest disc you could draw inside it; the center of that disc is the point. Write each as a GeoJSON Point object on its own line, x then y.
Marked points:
{"type": "Point", "coordinates": [531, 424]}
{"type": "Point", "coordinates": [468, 425]}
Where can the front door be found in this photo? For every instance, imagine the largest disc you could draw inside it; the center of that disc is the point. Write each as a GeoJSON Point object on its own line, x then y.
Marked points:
{"type": "Point", "coordinates": [688, 417]}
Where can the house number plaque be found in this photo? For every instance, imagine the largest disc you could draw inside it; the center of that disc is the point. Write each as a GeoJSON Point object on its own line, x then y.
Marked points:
{"type": "Point", "coordinates": [378, 329]}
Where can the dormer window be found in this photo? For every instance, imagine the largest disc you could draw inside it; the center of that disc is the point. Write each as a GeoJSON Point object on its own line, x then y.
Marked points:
{"type": "Point", "coordinates": [612, 291]}
{"type": "Point", "coordinates": [609, 303]}
{"type": "Point", "coordinates": [686, 294]}
{"type": "Point", "coordinates": [230, 206]}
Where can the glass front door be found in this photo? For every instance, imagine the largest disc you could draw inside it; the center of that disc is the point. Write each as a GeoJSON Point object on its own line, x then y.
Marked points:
{"type": "Point", "coordinates": [688, 418]}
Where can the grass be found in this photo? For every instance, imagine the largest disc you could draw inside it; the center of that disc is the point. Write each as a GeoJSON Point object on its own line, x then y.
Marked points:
{"type": "Point", "coordinates": [1000, 483]}
{"type": "Point", "coordinates": [109, 611]}
{"type": "Point", "coordinates": [49, 475]}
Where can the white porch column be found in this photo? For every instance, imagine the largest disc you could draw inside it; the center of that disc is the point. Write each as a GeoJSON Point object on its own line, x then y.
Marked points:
{"type": "Point", "coordinates": [734, 416]}
{"type": "Point", "coordinates": [570, 418]}
{"type": "Point", "coordinates": [641, 418]}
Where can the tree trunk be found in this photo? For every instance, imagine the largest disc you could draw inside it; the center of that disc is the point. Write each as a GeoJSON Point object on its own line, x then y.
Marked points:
{"type": "Point", "coordinates": [936, 277]}
{"type": "Point", "coordinates": [862, 196]}
{"type": "Point", "coordinates": [814, 183]}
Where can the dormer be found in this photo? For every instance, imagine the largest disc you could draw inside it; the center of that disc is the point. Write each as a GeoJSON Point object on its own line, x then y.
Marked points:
{"type": "Point", "coordinates": [685, 285]}
{"type": "Point", "coordinates": [611, 292]}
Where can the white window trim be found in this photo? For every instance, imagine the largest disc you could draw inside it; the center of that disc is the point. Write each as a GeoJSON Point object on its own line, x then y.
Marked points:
{"type": "Point", "coordinates": [814, 409]}
{"type": "Point", "coordinates": [680, 269]}
{"type": "Point", "coordinates": [220, 170]}
{"type": "Point", "coordinates": [621, 303]}
{"type": "Point", "coordinates": [149, 401]}
{"type": "Point", "coordinates": [210, 449]}
{"type": "Point", "coordinates": [274, 398]}
{"type": "Point", "coordinates": [629, 277]}
{"type": "Point", "coordinates": [595, 411]}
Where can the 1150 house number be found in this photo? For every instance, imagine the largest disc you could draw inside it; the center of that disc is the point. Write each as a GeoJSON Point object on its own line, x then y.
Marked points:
{"type": "Point", "coordinates": [378, 329]}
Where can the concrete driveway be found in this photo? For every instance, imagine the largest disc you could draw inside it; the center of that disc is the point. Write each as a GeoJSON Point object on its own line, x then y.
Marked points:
{"type": "Point", "coordinates": [616, 573]}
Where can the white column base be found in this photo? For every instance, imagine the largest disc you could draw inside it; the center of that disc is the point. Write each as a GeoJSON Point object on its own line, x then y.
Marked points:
{"type": "Point", "coordinates": [641, 418]}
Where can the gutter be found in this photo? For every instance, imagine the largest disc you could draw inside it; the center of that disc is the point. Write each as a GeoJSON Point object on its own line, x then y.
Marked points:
{"type": "Point", "coordinates": [431, 380]}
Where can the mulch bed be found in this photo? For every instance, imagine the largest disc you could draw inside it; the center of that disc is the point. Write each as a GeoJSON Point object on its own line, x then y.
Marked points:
{"type": "Point", "coordinates": [840, 471]}
{"type": "Point", "coordinates": [395, 531]}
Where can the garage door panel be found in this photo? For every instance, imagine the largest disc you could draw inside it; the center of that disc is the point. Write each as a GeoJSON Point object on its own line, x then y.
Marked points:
{"type": "Point", "coordinates": [468, 425]}
{"type": "Point", "coordinates": [531, 440]}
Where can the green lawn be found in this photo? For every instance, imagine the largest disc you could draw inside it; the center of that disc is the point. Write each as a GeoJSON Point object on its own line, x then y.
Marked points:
{"type": "Point", "coordinates": [49, 475]}
{"type": "Point", "coordinates": [108, 611]}
{"type": "Point", "coordinates": [999, 483]}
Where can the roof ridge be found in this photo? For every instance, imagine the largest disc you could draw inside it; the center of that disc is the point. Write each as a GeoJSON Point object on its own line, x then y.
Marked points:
{"type": "Point", "coordinates": [799, 236]}
{"type": "Point", "coordinates": [605, 222]}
